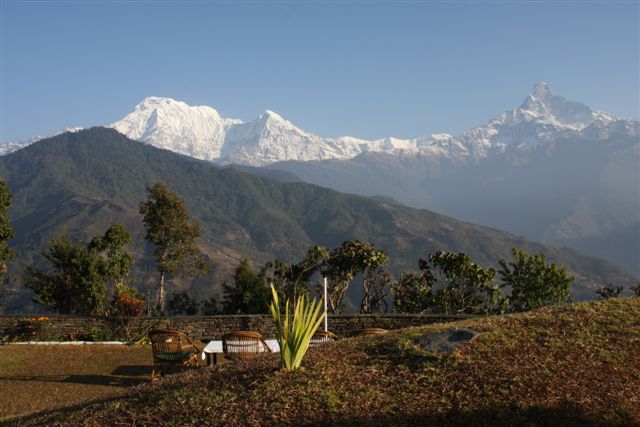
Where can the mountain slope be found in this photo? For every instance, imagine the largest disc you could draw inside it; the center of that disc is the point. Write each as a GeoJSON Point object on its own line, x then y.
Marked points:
{"type": "Point", "coordinates": [81, 183]}
{"type": "Point", "coordinates": [552, 170]}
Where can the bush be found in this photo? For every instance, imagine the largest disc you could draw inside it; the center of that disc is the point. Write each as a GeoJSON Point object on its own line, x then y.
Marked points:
{"type": "Point", "coordinates": [294, 334]}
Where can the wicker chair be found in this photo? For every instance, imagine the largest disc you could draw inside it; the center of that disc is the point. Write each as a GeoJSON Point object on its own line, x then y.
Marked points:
{"type": "Point", "coordinates": [172, 348]}
{"type": "Point", "coordinates": [243, 345]}
{"type": "Point", "coordinates": [321, 337]}
{"type": "Point", "coordinates": [372, 331]}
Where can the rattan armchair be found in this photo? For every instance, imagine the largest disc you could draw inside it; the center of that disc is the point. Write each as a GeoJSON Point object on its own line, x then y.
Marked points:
{"type": "Point", "coordinates": [321, 337]}
{"type": "Point", "coordinates": [372, 331]}
{"type": "Point", "coordinates": [172, 348]}
{"type": "Point", "coordinates": [243, 344]}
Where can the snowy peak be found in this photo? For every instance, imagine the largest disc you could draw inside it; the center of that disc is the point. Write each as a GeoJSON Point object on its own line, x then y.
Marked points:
{"type": "Point", "coordinates": [543, 104]}
{"type": "Point", "coordinates": [196, 131]}
{"type": "Point", "coordinates": [541, 91]}
{"type": "Point", "coordinates": [201, 132]}
{"type": "Point", "coordinates": [270, 115]}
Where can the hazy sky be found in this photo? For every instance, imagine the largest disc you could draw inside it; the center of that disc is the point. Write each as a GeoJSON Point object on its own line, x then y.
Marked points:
{"type": "Point", "coordinates": [365, 69]}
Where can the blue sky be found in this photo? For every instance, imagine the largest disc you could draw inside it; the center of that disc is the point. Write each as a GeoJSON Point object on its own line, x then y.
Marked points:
{"type": "Point", "coordinates": [365, 69]}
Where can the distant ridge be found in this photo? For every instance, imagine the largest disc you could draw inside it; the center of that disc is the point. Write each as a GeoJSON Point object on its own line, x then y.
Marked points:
{"type": "Point", "coordinates": [552, 169]}
{"type": "Point", "coordinates": [81, 183]}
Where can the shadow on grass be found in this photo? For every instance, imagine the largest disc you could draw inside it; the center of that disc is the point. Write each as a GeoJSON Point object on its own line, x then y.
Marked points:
{"type": "Point", "coordinates": [122, 376]}
{"type": "Point", "coordinates": [569, 416]}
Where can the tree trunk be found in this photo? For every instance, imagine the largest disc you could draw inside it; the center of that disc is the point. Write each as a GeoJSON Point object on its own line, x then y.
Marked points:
{"type": "Point", "coordinates": [160, 305]}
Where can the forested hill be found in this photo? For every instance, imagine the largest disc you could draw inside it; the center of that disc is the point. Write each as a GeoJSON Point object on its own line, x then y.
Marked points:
{"type": "Point", "coordinates": [81, 183]}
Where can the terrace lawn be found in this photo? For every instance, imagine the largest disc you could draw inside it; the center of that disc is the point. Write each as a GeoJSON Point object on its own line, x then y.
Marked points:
{"type": "Point", "coordinates": [568, 365]}
{"type": "Point", "coordinates": [43, 377]}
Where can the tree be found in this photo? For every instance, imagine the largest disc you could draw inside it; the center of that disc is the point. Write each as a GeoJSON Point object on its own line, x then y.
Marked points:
{"type": "Point", "coordinates": [340, 269]}
{"type": "Point", "coordinates": [209, 307]}
{"type": "Point", "coordinates": [412, 293]}
{"type": "Point", "coordinates": [379, 283]}
{"type": "Point", "coordinates": [607, 292]}
{"type": "Point", "coordinates": [79, 281]}
{"type": "Point", "coordinates": [463, 287]}
{"type": "Point", "coordinates": [369, 261]}
{"type": "Point", "coordinates": [77, 284]}
{"type": "Point", "coordinates": [533, 282]}
{"type": "Point", "coordinates": [170, 229]}
{"type": "Point", "coordinates": [292, 280]}
{"type": "Point", "coordinates": [248, 294]}
{"type": "Point", "coordinates": [347, 260]}
{"type": "Point", "coordinates": [448, 283]}
{"type": "Point", "coordinates": [6, 233]}
{"type": "Point", "coordinates": [182, 303]}
{"type": "Point", "coordinates": [117, 265]}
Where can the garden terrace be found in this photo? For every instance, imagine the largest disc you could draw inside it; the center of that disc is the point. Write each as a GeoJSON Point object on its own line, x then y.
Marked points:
{"type": "Point", "coordinates": [565, 365]}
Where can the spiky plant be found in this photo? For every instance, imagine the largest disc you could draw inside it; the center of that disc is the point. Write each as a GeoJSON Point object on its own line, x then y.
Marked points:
{"type": "Point", "coordinates": [294, 332]}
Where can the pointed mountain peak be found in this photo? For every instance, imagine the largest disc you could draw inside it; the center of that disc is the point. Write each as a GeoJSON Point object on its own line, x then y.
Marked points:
{"type": "Point", "coordinates": [542, 104]}
{"type": "Point", "coordinates": [538, 98]}
{"type": "Point", "coordinates": [268, 114]}
{"type": "Point", "coordinates": [541, 91]}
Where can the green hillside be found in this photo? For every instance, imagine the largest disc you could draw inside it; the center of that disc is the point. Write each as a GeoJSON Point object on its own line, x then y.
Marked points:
{"type": "Point", "coordinates": [81, 183]}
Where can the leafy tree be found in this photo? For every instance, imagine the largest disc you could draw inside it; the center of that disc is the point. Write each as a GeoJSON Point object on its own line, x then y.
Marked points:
{"type": "Point", "coordinates": [412, 293]}
{"type": "Point", "coordinates": [79, 280]}
{"type": "Point", "coordinates": [369, 261]}
{"type": "Point", "coordinates": [463, 286]}
{"type": "Point", "coordinates": [77, 284]}
{"type": "Point", "coordinates": [209, 307]}
{"type": "Point", "coordinates": [448, 283]}
{"type": "Point", "coordinates": [379, 287]}
{"type": "Point", "coordinates": [292, 280]}
{"type": "Point", "coordinates": [182, 303]}
{"type": "Point", "coordinates": [533, 282]}
{"type": "Point", "coordinates": [248, 294]}
{"type": "Point", "coordinates": [6, 233]}
{"type": "Point", "coordinates": [609, 292]}
{"type": "Point", "coordinates": [345, 261]}
{"type": "Point", "coordinates": [170, 229]}
{"type": "Point", "coordinates": [117, 265]}
{"type": "Point", "coordinates": [341, 269]}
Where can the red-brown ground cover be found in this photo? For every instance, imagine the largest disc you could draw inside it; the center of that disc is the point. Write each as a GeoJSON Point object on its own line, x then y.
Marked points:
{"type": "Point", "coordinates": [570, 365]}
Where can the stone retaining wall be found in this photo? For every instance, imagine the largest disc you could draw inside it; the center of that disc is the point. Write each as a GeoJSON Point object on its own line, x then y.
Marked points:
{"type": "Point", "coordinates": [203, 328]}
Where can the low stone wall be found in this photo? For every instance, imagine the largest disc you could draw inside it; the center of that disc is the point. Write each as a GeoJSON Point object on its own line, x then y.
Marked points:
{"type": "Point", "coordinates": [202, 328]}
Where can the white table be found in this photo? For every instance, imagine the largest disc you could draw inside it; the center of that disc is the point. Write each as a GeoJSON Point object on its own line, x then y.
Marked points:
{"type": "Point", "coordinates": [213, 348]}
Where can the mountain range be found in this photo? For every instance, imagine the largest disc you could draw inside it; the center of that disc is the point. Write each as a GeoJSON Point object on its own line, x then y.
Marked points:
{"type": "Point", "coordinates": [552, 170]}
{"type": "Point", "coordinates": [80, 183]}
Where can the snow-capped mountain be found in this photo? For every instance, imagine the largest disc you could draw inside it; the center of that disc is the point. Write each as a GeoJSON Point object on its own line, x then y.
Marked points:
{"type": "Point", "coordinates": [202, 133]}
{"type": "Point", "coordinates": [173, 125]}
{"type": "Point", "coordinates": [552, 170]}
{"type": "Point", "coordinates": [11, 146]}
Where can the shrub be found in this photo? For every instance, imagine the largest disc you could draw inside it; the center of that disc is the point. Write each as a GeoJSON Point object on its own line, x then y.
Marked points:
{"type": "Point", "coordinates": [294, 333]}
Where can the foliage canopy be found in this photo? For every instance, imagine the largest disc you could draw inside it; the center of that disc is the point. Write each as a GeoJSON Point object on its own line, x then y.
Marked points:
{"type": "Point", "coordinates": [169, 227]}
{"type": "Point", "coordinates": [533, 282]}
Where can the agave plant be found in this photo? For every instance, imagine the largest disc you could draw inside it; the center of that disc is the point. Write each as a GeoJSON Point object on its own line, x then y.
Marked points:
{"type": "Point", "coordinates": [294, 333]}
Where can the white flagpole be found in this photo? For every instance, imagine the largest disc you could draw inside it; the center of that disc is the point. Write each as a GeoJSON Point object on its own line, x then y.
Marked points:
{"type": "Point", "coordinates": [326, 321]}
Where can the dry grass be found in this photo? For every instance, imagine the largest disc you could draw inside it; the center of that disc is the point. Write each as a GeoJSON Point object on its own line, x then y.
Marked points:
{"type": "Point", "coordinates": [571, 365]}
{"type": "Point", "coordinates": [37, 378]}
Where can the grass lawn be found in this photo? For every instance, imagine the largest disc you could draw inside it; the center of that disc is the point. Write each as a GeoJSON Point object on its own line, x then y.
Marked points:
{"type": "Point", "coordinates": [38, 378]}
{"type": "Point", "coordinates": [576, 365]}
